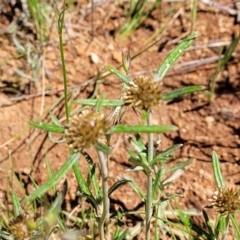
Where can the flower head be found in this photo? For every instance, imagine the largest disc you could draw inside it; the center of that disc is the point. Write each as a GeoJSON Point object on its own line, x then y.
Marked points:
{"type": "Point", "coordinates": [86, 129]}
{"type": "Point", "coordinates": [19, 228]}
{"type": "Point", "coordinates": [142, 93]}
{"type": "Point", "coordinates": [226, 200]}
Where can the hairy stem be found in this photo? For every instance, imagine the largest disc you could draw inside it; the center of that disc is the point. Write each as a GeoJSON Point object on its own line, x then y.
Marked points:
{"type": "Point", "coordinates": [105, 211]}
{"type": "Point", "coordinates": [149, 181]}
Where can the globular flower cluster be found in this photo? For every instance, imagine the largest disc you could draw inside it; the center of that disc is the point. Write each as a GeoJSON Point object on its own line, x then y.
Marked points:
{"type": "Point", "coordinates": [86, 129]}
{"type": "Point", "coordinates": [143, 93]}
{"type": "Point", "coordinates": [226, 200]}
{"type": "Point", "coordinates": [19, 228]}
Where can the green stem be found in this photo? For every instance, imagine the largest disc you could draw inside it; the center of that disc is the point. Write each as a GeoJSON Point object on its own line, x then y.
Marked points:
{"type": "Point", "coordinates": [149, 181]}
{"type": "Point", "coordinates": [60, 28]}
{"type": "Point", "coordinates": [105, 212]}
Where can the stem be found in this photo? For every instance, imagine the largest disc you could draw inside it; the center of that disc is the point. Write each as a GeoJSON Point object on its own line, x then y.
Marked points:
{"type": "Point", "coordinates": [60, 28]}
{"type": "Point", "coordinates": [105, 211]}
{"type": "Point", "coordinates": [149, 181]}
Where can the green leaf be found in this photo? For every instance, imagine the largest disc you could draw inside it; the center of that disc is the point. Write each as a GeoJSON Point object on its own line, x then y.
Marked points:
{"type": "Point", "coordinates": [135, 186]}
{"type": "Point", "coordinates": [174, 55]}
{"type": "Point", "coordinates": [133, 154]}
{"type": "Point", "coordinates": [165, 155]}
{"type": "Point", "coordinates": [40, 191]}
{"type": "Point", "coordinates": [102, 147]}
{"type": "Point", "coordinates": [138, 144]}
{"type": "Point", "coordinates": [122, 76]}
{"type": "Point", "coordinates": [87, 158]}
{"type": "Point", "coordinates": [116, 185]}
{"type": "Point", "coordinates": [184, 218]}
{"type": "Point", "coordinates": [187, 222]}
{"type": "Point", "coordinates": [55, 120]}
{"type": "Point", "coordinates": [142, 129]}
{"type": "Point", "coordinates": [207, 222]}
{"type": "Point", "coordinates": [134, 169]}
{"type": "Point", "coordinates": [80, 180]}
{"type": "Point", "coordinates": [235, 224]}
{"type": "Point", "coordinates": [221, 225]}
{"type": "Point", "coordinates": [94, 181]}
{"type": "Point", "coordinates": [156, 183]}
{"type": "Point", "coordinates": [166, 199]}
{"type": "Point", "coordinates": [168, 152]}
{"type": "Point", "coordinates": [141, 160]}
{"type": "Point", "coordinates": [217, 170]}
{"type": "Point", "coordinates": [60, 197]}
{"type": "Point", "coordinates": [229, 52]}
{"type": "Point", "coordinates": [47, 126]}
{"type": "Point", "coordinates": [99, 103]}
{"type": "Point", "coordinates": [94, 203]}
{"type": "Point", "coordinates": [105, 102]}
{"type": "Point", "coordinates": [16, 204]}
{"type": "Point", "coordinates": [144, 163]}
{"type": "Point", "coordinates": [179, 166]}
{"type": "Point", "coordinates": [92, 178]}
{"type": "Point", "coordinates": [49, 171]}
{"type": "Point", "coordinates": [181, 91]}
{"type": "Point", "coordinates": [145, 114]}
{"type": "Point", "coordinates": [123, 235]}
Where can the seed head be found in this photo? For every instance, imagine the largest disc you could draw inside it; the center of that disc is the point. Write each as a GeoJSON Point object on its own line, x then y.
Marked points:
{"type": "Point", "coordinates": [226, 200]}
{"type": "Point", "coordinates": [142, 93]}
{"type": "Point", "coordinates": [86, 129]}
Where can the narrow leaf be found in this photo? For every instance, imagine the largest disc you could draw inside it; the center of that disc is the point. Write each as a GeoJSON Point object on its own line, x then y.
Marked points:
{"type": "Point", "coordinates": [104, 103]}
{"type": "Point", "coordinates": [94, 181]}
{"type": "Point", "coordinates": [99, 103]}
{"type": "Point", "coordinates": [122, 76]}
{"type": "Point", "coordinates": [40, 191]}
{"type": "Point", "coordinates": [229, 51]}
{"type": "Point", "coordinates": [156, 183]}
{"type": "Point", "coordinates": [195, 227]}
{"type": "Point", "coordinates": [138, 144]}
{"type": "Point", "coordinates": [80, 180]}
{"type": "Point", "coordinates": [135, 187]}
{"type": "Point", "coordinates": [142, 129]}
{"type": "Point", "coordinates": [88, 158]}
{"type": "Point", "coordinates": [207, 222]}
{"type": "Point", "coordinates": [217, 170]}
{"type": "Point", "coordinates": [133, 154]}
{"type": "Point", "coordinates": [134, 169]}
{"type": "Point", "coordinates": [93, 202]}
{"type": "Point", "coordinates": [167, 152]}
{"type": "Point", "coordinates": [235, 224]}
{"type": "Point", "coordinates": [102, 147]}
{"type": "Point", "coordinates": [116, 185]}
{"type": "Point", "coordinates": [123, 235]}
{"type": "Point", "coordinates": [179, 166]}
{"type": "Point", "coordinates": [174, 55]}
{"type": "Point", "coordinates": [47, 127]}
{"type": "Point", "coordinates": [55, 120]}
{"type": "Point", "coordinates": [165, 155]}
{"type": "Point", "coordinates": [181, 91]}
{"type": "Point", "coordinates": [16, 204]}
